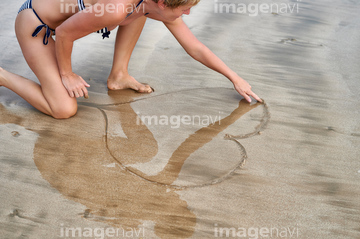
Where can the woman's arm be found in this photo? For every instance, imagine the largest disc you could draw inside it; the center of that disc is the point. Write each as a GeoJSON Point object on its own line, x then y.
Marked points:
{"type": "Point", "coordinates": [77, 26]}
{"type": "Point", "coordinates": [201, 53]}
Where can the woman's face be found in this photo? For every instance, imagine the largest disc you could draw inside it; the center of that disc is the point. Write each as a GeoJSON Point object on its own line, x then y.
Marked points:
{"type": "Point", "coordinates": [172, 14]}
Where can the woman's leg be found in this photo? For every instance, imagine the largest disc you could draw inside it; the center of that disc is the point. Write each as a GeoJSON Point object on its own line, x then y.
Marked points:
{"type": "Point", "coordinates": [126, 39]}
{"type": "Point", "coordinates": [51, 96]}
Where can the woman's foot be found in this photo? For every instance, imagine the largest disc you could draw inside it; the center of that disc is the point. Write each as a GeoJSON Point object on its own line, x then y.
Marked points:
{"type": "Point", "coordinates": [127, 82]}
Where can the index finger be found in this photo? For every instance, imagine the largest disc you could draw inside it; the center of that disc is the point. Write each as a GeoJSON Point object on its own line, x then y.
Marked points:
{"type": "Point", "coordinates": [86, 94]}
{"type": "Point", "coordinates": [256, 97]}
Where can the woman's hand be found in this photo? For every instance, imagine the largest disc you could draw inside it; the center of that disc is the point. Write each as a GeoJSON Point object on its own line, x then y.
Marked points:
{"type": "Point", "coordinates": [244, 89]}
{"type": "Point", "coordinates": [204, 55]}
{"type": "Point", "coordinates": [75, 85]}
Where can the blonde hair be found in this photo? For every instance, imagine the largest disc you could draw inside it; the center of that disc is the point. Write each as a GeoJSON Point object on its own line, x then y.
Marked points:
{"type": "Point", "coordinates": [178, 3]}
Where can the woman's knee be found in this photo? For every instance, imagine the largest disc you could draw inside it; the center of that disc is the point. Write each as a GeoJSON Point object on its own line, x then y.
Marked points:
{"type": "Point", "coordinates": [64, 112]}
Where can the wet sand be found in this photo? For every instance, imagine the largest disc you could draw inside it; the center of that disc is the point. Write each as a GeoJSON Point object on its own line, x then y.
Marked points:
{"type": "Point", "coordinates": [291, 164]}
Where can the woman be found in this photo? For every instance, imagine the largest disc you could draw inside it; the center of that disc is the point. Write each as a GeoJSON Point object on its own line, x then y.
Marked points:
{"type": "Point", "coordinates": [73, 19]}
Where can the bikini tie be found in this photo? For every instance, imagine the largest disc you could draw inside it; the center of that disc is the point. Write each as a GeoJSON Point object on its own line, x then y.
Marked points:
{"type": "Point", "coordinates": [47, 33]}
{"type": "Point", "coordinates": [40, 27]}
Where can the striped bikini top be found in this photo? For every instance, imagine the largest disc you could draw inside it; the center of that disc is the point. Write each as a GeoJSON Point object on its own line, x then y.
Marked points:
{"type": "Point", "coordinates": [105, 32]}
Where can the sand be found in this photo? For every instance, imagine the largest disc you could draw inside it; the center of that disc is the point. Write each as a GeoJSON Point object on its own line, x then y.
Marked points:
{"type": "Point", "coordinates": [290, 168]}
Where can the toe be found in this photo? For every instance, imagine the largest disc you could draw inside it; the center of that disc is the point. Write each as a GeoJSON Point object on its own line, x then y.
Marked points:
{"type": "Point", "coordinates": [146, 89]}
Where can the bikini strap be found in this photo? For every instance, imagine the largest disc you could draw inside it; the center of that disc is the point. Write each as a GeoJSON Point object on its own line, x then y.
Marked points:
{"type": "Point", "coordinates": [135, 8]}
{"type": "Point", "coordinates": [81, 5]}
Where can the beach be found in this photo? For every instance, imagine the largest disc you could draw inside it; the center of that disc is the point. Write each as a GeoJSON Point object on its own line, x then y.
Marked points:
{"type": "Point", "coordinates": [193, 159]}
